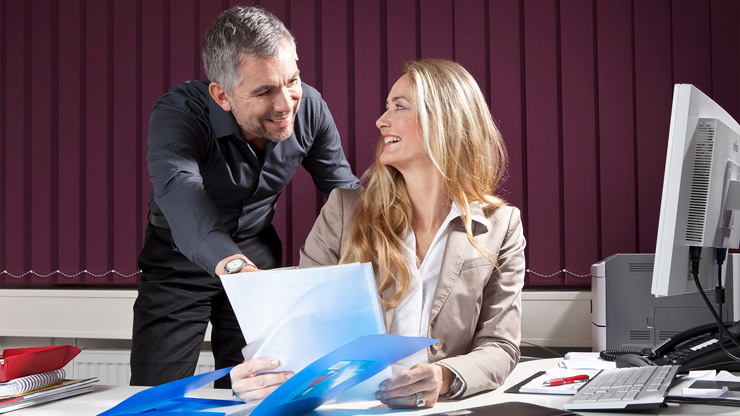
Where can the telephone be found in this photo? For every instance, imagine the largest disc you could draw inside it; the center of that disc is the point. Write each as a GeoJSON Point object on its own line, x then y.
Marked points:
{"type": "Point", "coordinates": [694, 349]}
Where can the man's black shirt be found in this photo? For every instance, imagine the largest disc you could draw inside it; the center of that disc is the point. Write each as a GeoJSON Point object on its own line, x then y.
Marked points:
{"type": "Point", "coordinates": [209, 183]}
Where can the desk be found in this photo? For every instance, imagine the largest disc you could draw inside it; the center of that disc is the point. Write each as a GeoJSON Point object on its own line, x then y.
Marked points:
{"type": "Point", "coordinates": [105, 397]}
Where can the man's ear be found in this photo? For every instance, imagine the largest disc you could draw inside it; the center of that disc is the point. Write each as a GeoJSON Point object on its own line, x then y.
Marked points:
{"type": "Point", "coordinates": [219, 96]}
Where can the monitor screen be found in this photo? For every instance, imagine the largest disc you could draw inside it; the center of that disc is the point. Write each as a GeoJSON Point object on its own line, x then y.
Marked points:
{"type": "Point", "coordinates": [701, 190]}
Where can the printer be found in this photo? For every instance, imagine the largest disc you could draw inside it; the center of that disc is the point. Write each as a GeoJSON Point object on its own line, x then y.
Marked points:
{"type": "Point", "coordinates": [626, 316]}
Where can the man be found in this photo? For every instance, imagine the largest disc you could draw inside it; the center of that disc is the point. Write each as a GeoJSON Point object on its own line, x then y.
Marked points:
{"type": "Point", "coordinates": [219, 154]}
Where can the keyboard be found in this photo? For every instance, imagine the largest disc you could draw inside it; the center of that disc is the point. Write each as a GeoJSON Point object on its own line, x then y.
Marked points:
{"type": "Point", "coordinates": [628, 388]}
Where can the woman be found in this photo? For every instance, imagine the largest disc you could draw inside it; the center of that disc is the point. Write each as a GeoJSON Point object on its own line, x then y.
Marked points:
{"type": "Point", "coordinates": [448, 254]}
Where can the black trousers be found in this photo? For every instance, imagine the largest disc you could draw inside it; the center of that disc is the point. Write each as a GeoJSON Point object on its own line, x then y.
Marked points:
{"type": "Point", "coordinates": [176, 300]}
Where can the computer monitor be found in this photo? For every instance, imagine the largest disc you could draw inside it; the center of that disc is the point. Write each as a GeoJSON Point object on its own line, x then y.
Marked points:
{"type": "Point", "coordinates": [701, 192]}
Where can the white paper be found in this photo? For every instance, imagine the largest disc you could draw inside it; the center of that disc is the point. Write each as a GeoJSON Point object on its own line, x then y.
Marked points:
{"type": "Point", "coordinates": [682, 386]}
{"type": "Point", "coordinates": [704, 393]}
{"type": "Point", "coordinates": [537, 385]}
{"type": "Point", "coordinates": [586, 363]}
{"type": "Point", "coordinates": [297, 315]}
{"type": "Point", "coordinates": [582, 355]}
{"type": "Point", "coordinates": [584, 360]}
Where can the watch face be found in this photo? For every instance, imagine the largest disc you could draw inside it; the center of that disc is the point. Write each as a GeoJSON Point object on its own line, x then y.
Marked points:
{"type": "Point", "coordinates": [234, 265]}
{"type": "Point", "coordinates": [455, 386]}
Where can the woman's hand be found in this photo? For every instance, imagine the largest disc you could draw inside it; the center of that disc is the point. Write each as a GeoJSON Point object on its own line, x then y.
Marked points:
{"type": "Point", "coordinates": [419, 386]}
{"type": "Point", "coordinates": [249, 386]}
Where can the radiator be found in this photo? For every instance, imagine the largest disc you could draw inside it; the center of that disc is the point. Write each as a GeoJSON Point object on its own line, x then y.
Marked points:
{"type": "Point", "coordinates": [112, 366]}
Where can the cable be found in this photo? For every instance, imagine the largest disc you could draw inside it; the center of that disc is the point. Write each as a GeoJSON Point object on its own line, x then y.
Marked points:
{"type": "Point", "coordinates": [611, 355]}
{"type": "Point", "coordinates": [719, 291]}
{"type": "Point", "coordinates": [695, 257]}
{"type": "Point", "coordinates": [719, 297]}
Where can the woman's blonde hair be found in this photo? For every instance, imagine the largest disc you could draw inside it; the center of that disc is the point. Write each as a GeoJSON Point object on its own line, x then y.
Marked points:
{"type": "Point", "coordinates": [468, 151]}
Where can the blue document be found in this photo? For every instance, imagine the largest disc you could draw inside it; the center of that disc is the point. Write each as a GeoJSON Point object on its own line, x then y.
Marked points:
{"type": "Point", "coordinates": [322, 323]}
{"type": "Point", "coordinates": [317, 383]}
{"type": "Point", "coordinates": [337, 371]}
{"type": "Point", "coordinates": [170, 397]}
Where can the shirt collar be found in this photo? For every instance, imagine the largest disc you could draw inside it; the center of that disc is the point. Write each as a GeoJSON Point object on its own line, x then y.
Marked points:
{"type": "Point", "coordinates": [223, 122]}
{"type": "Point", "coordinates": [477, 216]}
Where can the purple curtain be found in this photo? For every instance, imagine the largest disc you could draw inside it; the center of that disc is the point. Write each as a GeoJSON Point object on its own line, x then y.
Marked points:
{"type": "Point", "coordinates": [581, 89]}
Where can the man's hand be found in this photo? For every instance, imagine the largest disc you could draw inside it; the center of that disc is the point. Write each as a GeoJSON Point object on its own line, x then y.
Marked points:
{"type": "Point", "coordinates": [249, 267]}
{"type": "Point", "coordinates": [249, 386]}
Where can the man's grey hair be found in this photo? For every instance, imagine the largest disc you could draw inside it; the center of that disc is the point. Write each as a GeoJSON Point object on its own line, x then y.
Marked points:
{"type": "Point", "coordinates": [237, 34]}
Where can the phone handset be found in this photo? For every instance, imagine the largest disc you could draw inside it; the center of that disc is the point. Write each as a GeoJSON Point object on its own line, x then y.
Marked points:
{"type": "Point", "coordinates": [671, 343]}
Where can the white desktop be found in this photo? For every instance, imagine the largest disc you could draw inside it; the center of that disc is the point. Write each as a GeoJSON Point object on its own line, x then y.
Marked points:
{"type": "Point", "coordinates": [105, 397]}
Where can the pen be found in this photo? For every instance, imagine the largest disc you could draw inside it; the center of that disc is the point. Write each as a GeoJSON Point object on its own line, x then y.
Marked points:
{"type": "Point", "coordinates": [566, 380]}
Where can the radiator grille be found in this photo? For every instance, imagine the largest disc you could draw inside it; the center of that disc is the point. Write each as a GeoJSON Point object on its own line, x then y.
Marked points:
{"type": "Point", "coordinates": [112, 366]}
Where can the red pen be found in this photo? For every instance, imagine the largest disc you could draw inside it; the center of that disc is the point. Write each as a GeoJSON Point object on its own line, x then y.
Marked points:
{"type": "Point", "coordinates": [566, 380]}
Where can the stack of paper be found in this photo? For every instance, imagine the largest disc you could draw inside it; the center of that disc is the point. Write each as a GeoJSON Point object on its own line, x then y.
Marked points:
{"type": "Point", "coordinates": [58, 390]}
{"type": "Point", "coordinates": [707, 384]}
{"type": "Point", "coordinates": [30, 376]}
{"type": "Point", "coordinates": [29, 383]}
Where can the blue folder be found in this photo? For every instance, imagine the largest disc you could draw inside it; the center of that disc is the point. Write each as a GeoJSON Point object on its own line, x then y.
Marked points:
{"type": "Point", "coordinates": [170, 397]}
{"type": "Point", "coordinates": [317, 383]}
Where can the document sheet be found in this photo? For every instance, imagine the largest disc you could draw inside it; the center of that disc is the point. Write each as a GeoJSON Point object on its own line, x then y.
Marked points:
{"type": "Point", "coordinates": [298, 315]}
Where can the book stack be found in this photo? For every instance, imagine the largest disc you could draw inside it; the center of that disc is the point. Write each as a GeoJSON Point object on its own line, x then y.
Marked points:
{"type": "Point", "coordinates": [30, 376]}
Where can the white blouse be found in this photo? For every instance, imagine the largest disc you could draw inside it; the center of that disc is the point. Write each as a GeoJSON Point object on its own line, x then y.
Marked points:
{"type": "Point", "coordinates": [411, 315]}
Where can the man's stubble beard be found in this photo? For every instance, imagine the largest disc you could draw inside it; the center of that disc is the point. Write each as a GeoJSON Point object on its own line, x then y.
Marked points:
{"type": "Point", "coordinates": [259, 130]}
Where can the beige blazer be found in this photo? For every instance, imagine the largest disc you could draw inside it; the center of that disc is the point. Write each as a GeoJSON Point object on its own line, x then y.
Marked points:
{"type": "Point", "coordinates": [476, 311]}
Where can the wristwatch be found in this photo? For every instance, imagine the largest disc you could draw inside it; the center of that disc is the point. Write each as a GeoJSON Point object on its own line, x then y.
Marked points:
{"type": "Point", "coordinates": [236, 265]}
{"type": "Point", "coordinates": [455, 387]}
